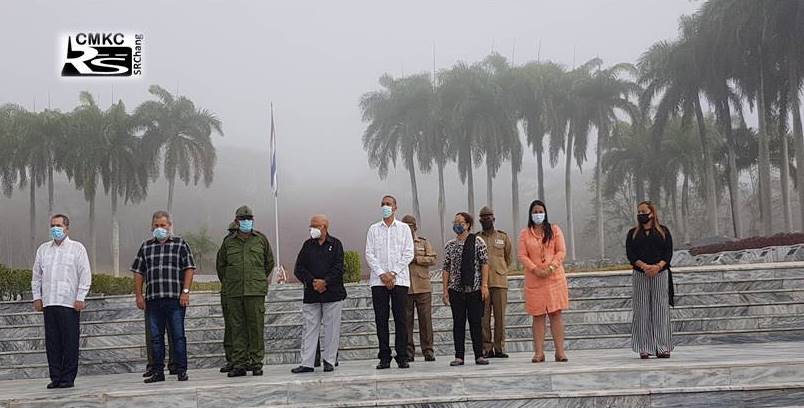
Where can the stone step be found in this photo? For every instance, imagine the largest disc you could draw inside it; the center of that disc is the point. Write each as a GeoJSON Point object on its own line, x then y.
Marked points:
{"type": "Point", "coordinates": [290, 321]}
{"type": "Point", "coordinates": [286, 350]}
{"type": "Point", "coordinates": [364, 333]}
{"type": "Point", "coordinates": [697, 376]}
{"type": "Point", "coordinates": [279, 312]}
{"type": "Point", "coordinates": [581, 285]}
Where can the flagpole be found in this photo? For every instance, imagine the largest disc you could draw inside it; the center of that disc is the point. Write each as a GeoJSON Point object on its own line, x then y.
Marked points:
{"type": "Point", "coordinates": [274, 183]}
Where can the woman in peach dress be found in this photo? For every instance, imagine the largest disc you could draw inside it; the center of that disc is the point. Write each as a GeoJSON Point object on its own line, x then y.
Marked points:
{"type": "Point", "coordinates": [542, 252]}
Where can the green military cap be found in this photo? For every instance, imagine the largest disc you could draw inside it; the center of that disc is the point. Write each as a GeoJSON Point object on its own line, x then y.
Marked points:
{"type": "Point", "coordinates": [244, 211]}
{"type": "Point", "coordinates": [486, 211]}
{"type": "Point", "coordinates": [233, 226]}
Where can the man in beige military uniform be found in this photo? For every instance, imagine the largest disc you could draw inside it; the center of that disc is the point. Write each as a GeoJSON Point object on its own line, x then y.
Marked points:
{"type": "Point", "coordinates": [499, 247]}
{"type": "Point", "coordinates": [420, 293]}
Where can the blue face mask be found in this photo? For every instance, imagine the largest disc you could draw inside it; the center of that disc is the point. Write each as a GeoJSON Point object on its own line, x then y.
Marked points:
{"type": "Point", "coordinates": [457, 228]}
{"type": "Point", "coordinates": [537, 218]}
{"type": "Point", "coordinates": [387, 211]}
{"type": "Point", "coordinates": [161, 234]}
{"type": "Point", "coordinates": [57, 233]}
{"type": "Point", "coordinates": [246, 226]}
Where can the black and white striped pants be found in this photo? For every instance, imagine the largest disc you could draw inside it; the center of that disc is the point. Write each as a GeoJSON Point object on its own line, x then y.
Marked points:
{"type": "Point", "coordinates": [650, 328]}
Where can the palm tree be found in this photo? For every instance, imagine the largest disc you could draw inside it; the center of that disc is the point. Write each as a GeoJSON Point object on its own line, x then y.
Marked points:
{"type": "Point", "coordinates": [399, 116]}
{"type": "Point", "coordinates": [572, 118]}
{"type": "Point", "coordinates": [84, 161]}
{"type": "Point", "coordinates": [535, 86]}
{"type": "Point", "coordinates": [176, 128]}
{"type": "Point", "coordinates": [435, 149]}
{"type": "Point", "coordinates": [125, 175]}
{"type": "Point", "coordinates": [670, 71]}
{"type": "Point", "coordinates": [604, 95]}
{"type": "Point", "coordinates": [467, 101]}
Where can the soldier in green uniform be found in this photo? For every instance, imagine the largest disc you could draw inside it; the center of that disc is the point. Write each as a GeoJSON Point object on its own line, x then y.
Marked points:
{"type": "Point", "coordinates": [244, 262]}
{"type": "Point", "coordinates": [227, 325]}
{"type": "Point", "coordinates": [499, 247]}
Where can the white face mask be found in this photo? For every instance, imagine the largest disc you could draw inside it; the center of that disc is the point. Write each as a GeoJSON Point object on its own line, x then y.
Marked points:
{"type": "Point", "coordinates": [315, 233]}
{"type": "Point", "coordinates": [387, 211]}
{"type": "Point", "coordinates": [537, 218]}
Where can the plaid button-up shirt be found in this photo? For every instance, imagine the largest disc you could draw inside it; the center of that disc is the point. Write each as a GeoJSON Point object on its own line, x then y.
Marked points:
{"type": "Point", "coordinates": [162, 265]}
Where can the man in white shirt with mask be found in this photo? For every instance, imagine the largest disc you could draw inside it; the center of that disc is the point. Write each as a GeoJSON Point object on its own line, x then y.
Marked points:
{"type": "Point", "coordinates": [389, 251]}
{"type": "Point", "coordinates": [60, 283]}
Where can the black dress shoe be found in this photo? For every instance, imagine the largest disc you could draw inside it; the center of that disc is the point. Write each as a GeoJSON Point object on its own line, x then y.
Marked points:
{"type": "Point", "coordinates": [302, 369]}
{"type": "Point", "coordinates": [149, 373]}
{"type": "Point", "coordinates": [66, 385]}
{"type": "Point", "coordinates": [500, 354]}
{"type": "Point", "coordinates": [384, 364]}
{"type": "Point", "coordinates": [256, 372]}
{"type": "Point", "coordinates": [429, 357]}
{"type": "Point", "coordinates": [328, 368]}
{"type": "Point", "coordinates": [228, 367]}
{"type": "Point", "coordinates": [158, 377]}
{"type": "Point", "coordinates": [52, 385]}
{"type": "Point", "coordinates": [403, 364]}
{"type": "Point", "coordinates": [236, 372]}
{"type": "Point", "coordinates": [181, 375]}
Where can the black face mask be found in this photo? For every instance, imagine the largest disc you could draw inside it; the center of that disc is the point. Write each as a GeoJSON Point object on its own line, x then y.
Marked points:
{"type": "Point", "coordinates": [643, 218]}
{"type": "Point", "coordinates": [487, 224]}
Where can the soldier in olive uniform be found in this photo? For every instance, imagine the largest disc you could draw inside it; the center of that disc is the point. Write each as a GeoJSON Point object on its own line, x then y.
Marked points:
{"type": "Point", "coordinates": [244, 263]}
{"type": "Point", "coordinates": [227, 326]}
{"type": "Point", "coordinates": [420, 293]}
{"type": "Point", "coordinates": [499, 247]}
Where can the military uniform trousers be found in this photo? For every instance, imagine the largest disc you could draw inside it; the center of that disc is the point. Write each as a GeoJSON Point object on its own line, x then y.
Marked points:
{"type": "Point", "coordinates": [247, 327]}
{"type": "Point", "coordinates": [422, 303]}
{"type": "Point", "coordinates": [496, 305]}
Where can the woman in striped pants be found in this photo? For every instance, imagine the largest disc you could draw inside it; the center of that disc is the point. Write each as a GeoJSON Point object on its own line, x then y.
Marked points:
{"type": "Point", "coordinates": [649, 247]}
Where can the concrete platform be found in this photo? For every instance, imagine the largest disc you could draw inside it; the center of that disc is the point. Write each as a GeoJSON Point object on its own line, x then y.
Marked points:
{"type": "Point", "coordinates": [735, 375]}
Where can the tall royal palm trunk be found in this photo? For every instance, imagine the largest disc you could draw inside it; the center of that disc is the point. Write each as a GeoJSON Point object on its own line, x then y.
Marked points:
{"type": "Point", "coordinates": [470, 182]}
{"type": "Point", "coordinates": [32, 213]}
{"type": "Point", "coordinates": [115, 236]}
{"type": "Point", "coordinates": [601, 244]}
{"type": "Point", "coordinates": [734, 186]}
{"type": "Point", "coordinates": [489, 185]}
{"type": "Point", "coordinates": [171, 187]}
{"type": "Point", "coordinates": [93, 253]}
{"type": "Point", "coordinates": [674, 205]}
{"type": "Point", "coordinates": [784, 178]}
{"type": "Point", "coordinates": [514, 205]}
{"type": "Point", "coordinates": [49, 190]}
{"type": "Point", "coordinates": [442, 202]}
{"type": "Point", "coordinates": [764, 160]}
{"type": "Point", "coordinates": [414, 187]}
{"type": "Point", "coordinates": [685, 207]}
{"type": "Point", "coordinates": [568, 198]}
{"type": "Point", "coordinates": [709, 171]}
{"type": "Point", "coordinates": [540, 170]}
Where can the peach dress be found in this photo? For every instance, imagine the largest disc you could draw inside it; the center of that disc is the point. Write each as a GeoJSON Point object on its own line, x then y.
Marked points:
{"type": "Point", "coordinates": [548, 294]}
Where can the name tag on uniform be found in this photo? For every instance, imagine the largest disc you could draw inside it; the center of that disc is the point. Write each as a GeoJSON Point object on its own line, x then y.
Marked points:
{"type": "Point", "coordinates": [499, 242]}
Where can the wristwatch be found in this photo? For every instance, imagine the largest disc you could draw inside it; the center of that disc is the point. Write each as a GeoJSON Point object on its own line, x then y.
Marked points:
{"type": "Point", "coordinates": [185, 291]}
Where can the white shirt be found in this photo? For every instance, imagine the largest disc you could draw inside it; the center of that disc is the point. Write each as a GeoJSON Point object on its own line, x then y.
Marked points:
{"type": "Point", "coordinates": [389, 249]}
{"type": "Point", "coordinates": [61, 273]}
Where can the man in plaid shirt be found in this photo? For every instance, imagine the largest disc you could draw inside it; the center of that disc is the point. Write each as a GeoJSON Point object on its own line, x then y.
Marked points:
{"type": "Point", "coordinates": [165, 264]}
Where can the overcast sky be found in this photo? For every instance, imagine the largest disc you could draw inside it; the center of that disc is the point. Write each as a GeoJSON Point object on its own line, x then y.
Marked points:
{"type": "Point", "coordinates": [314, 60]}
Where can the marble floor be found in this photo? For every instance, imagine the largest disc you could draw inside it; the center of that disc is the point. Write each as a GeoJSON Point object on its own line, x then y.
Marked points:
{"type": "Point", "coordinates": [775, 369]}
